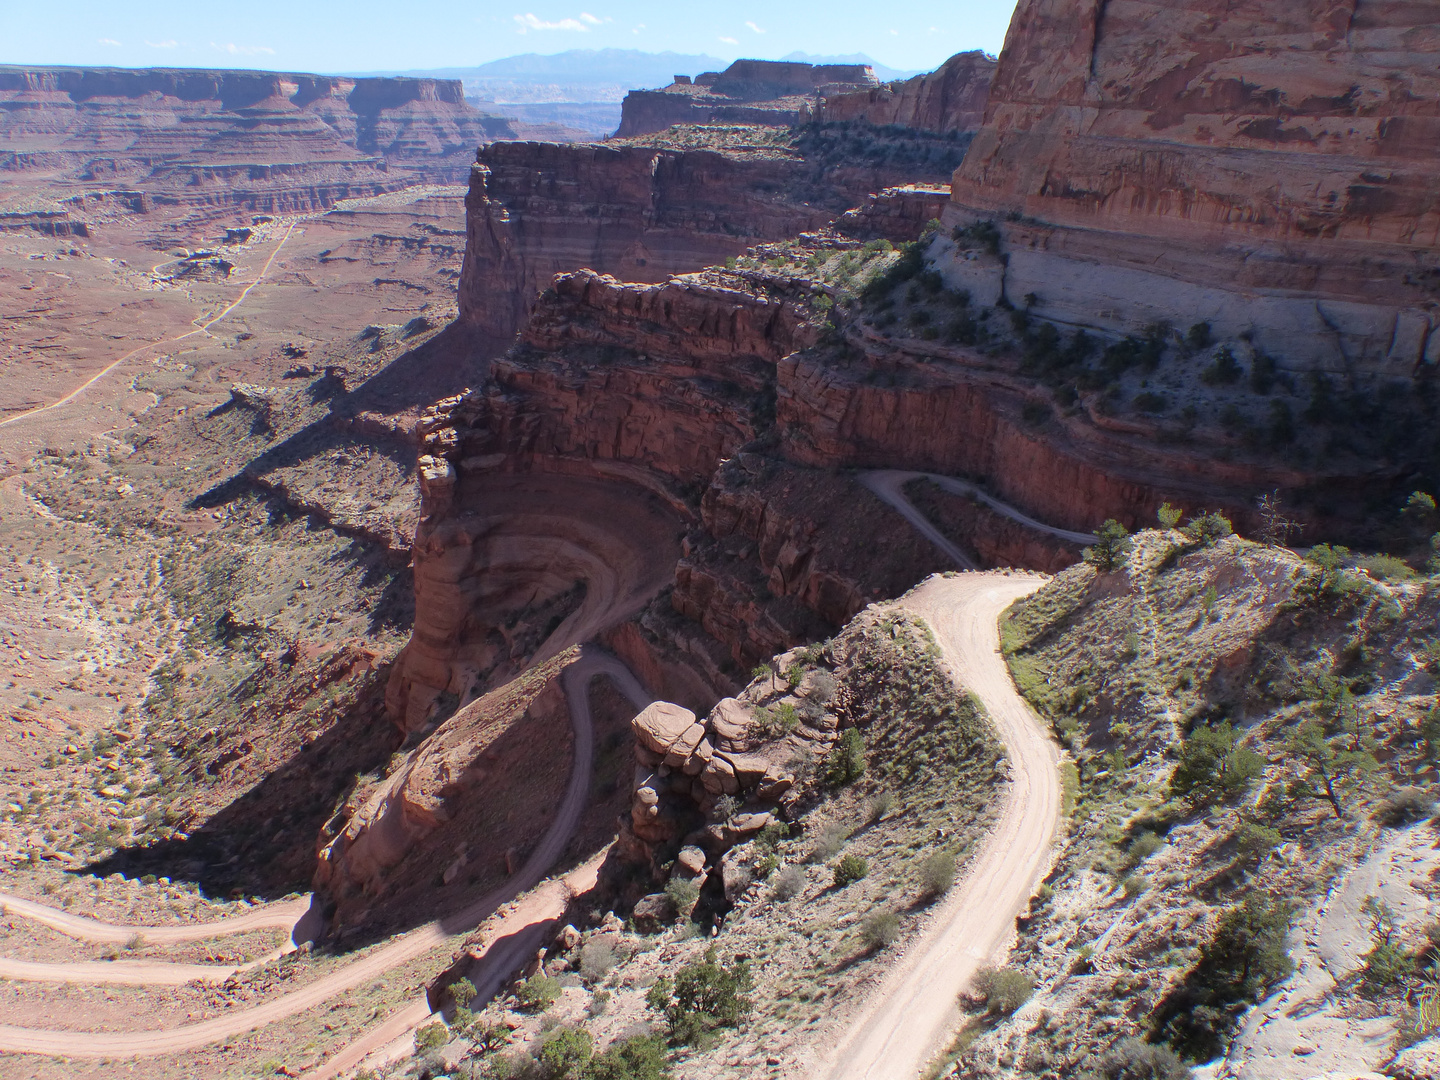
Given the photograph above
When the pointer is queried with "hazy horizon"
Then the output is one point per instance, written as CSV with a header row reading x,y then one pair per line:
x,y
445,34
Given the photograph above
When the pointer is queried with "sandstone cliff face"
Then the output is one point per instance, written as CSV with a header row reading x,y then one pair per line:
x,y
949,99
538,209
185,129
1269,169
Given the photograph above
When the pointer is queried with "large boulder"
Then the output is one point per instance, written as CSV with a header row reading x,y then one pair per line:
x,y
660,725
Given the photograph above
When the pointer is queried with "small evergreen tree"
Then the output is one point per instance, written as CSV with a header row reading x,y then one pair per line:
x,y
702,997
1112,547
1214,766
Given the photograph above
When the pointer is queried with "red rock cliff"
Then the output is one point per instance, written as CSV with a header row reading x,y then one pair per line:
x,y
1270,168
951,98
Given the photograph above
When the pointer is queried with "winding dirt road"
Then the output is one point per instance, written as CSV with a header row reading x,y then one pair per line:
x,y
912,1014
93,1045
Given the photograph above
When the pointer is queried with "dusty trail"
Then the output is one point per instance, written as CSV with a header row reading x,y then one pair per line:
x,y
202,328
94,1045
888,485
286,915
913,1012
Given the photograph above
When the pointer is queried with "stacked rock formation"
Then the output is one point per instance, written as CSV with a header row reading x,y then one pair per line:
x,y
747,92
1270,169
949,99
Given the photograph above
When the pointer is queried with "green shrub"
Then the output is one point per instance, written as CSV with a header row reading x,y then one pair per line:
x,y
937,874
850,869
1223,370
1111,548
431,1037
846,761
641,1057
1145,844
565,1052
1206,529
1004,989
598,957
683,894
879,929
1214,767
1243,959
462,992
1386,567
704,996
488,1037
1387,963
537,993
878,806
1254,841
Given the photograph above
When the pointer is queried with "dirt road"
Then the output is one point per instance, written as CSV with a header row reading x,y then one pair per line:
x,y
913,1013
888,485
201,328
286,915
92,1045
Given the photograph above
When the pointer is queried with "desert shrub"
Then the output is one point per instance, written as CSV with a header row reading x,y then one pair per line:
x,y
828,842
1145,844
822,687
565,1052
431,1037
1332,767
726,807
1387,963
1243,959
846,761
879,929
1404,805
1205,529
1386,567
1004,989
850,869
1214,767
1149,402
1223,370
1111,548
1169,516
1254,841
597,958
683,895
937,874
788,883
641,1057
703,996
1133,1059
488,1037
462,992
1132,885
1198,336
537,993
878,806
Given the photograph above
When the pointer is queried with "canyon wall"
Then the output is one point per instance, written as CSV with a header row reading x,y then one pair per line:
x,y
949,99
193,135
1270,169
641,213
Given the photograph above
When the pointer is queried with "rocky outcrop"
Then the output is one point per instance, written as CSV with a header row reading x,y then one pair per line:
x,y
949,99
1269,170
747,92
641,213
174,130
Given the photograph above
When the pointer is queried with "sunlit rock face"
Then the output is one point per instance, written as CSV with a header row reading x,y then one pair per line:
x,y
1268,168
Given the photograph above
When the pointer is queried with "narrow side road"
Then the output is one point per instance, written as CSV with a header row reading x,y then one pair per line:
x,y
95,1045
285,915
912,1014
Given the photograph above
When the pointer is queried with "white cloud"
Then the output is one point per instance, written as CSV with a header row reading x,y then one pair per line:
x,y
895,33
528,22
586,17
108,41
730,40
752,26
638,28
243,50
162,44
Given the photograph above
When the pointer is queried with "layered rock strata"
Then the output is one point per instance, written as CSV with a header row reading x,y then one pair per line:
x,y
949,99
187,134
747,92
1267,169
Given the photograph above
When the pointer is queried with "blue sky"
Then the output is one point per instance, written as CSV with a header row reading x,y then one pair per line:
x,y
368,35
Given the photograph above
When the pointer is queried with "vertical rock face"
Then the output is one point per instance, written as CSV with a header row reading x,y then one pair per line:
x,y
951,98
538,209
1269,168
